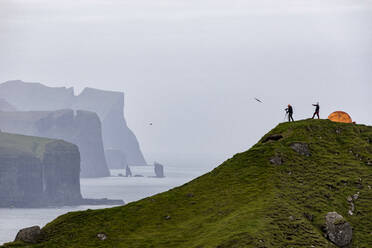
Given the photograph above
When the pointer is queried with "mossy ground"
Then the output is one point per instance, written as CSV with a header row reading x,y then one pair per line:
x,y
13,144
246,201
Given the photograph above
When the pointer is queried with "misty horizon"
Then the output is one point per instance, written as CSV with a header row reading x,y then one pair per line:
x,y
193,68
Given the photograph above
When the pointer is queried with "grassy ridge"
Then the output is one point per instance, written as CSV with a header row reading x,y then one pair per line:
x,y
246,201
15,143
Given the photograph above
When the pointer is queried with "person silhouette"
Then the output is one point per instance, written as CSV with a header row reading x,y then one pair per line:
x,y
317,108
289,111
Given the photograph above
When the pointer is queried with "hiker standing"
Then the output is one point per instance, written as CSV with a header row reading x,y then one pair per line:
x,y
317,108
289,111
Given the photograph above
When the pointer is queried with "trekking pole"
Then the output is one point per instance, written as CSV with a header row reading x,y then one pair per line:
x,y
285,117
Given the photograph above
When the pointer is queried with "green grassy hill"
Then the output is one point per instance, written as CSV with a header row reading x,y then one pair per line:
x,y
247,201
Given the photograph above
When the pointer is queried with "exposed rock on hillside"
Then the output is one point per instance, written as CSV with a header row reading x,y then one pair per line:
x,y
338,230
301,148
82,129
108,105
29,235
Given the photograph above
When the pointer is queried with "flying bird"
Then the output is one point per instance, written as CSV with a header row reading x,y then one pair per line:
x,y
258,100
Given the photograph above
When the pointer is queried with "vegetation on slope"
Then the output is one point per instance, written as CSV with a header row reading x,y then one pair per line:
x,y
13,144
247,201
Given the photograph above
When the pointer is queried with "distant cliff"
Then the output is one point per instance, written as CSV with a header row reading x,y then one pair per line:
x,y
82,129
38,172
108,105
116,159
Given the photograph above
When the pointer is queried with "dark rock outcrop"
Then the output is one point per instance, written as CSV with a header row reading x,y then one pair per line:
x,y
159,170
128,172
29,235
108,105
338,231
82,128
274,137
38,172
115,159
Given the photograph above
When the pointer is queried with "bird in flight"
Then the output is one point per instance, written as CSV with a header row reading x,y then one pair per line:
x,y
258,100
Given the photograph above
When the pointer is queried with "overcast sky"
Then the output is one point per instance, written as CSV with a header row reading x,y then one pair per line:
x,y
193,67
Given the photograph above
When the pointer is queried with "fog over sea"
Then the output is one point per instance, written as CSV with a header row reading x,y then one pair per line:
x,y
126,188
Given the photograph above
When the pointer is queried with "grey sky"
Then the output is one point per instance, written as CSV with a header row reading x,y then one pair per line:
x,y
193,67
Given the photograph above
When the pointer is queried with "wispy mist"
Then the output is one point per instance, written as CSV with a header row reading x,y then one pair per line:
x,y
192,68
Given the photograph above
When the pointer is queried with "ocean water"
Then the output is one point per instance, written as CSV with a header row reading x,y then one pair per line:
x,y
127,189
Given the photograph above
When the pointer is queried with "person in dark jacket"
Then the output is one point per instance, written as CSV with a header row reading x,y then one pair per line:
x,y
289,111
317,108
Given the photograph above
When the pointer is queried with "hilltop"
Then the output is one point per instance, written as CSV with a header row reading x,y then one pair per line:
x,y
276,194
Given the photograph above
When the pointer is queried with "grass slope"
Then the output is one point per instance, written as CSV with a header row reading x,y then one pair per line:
x,y
13,144
246,201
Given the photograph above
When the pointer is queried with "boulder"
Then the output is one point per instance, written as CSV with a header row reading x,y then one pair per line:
x,y
29,235
338,231
301,148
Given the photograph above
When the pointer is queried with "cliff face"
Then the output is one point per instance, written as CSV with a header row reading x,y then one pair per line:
x,y
61,171
37,172
82,129
116,159
20,179
108,105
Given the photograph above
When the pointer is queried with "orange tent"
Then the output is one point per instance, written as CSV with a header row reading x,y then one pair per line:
x,y
340,116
